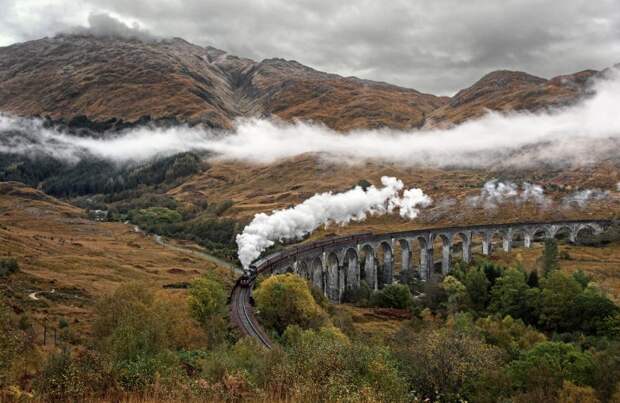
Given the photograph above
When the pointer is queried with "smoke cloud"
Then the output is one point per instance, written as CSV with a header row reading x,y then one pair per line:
x,y
573,136
582,198
495,193
325,208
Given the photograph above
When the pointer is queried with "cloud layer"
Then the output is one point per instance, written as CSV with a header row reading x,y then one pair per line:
x,y
438,46
574,136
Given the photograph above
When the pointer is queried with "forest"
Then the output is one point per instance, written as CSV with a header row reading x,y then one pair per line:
x,y
484,333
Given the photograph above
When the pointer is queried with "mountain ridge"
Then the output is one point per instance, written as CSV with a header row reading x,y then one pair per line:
x,y
105,82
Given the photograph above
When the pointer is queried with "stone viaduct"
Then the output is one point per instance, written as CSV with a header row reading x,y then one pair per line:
x,y
339,263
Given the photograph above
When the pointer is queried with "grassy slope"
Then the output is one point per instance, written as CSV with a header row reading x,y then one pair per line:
x,y
58,248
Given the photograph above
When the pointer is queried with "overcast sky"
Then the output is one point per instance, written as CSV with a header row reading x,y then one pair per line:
x,y
434,46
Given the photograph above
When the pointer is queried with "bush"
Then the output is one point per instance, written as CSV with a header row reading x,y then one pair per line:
x,y
447,364
8,266
65,377
360,295
133,324
512,335
207,304
393,296
549,364
284,300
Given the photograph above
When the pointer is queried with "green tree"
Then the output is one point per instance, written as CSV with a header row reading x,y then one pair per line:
x,y
207,304
456,292
477,285
393,296
581,277
532,279
592,311
550,256
511,296
549,364
284,300
557,306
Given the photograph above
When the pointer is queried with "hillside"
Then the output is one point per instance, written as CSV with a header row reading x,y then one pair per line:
x,y
114,82
58,248
507,91
104,82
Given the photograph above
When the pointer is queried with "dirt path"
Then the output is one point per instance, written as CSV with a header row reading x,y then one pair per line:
x,y
214,259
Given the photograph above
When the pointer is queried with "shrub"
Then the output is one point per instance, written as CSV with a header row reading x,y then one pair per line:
x,y
8,266
549,364
285,299
360,295
447,364
510,334
207,304
393,296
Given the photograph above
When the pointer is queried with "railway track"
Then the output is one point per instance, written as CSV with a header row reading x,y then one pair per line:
x,y
242,314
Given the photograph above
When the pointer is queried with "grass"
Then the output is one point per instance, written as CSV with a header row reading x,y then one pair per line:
x,y
59,249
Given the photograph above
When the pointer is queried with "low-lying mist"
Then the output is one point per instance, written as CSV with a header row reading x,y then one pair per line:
x,y
581,134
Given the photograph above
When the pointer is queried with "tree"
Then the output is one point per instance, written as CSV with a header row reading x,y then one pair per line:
x,y
549,364
207,304
511,296
532,279
510,334
477,285
393,296
581,277
550,256
592,310
456,293
447,364
557,305
284,300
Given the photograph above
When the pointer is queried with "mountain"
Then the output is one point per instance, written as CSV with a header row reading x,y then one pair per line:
x,y
507,91
113,81
106,82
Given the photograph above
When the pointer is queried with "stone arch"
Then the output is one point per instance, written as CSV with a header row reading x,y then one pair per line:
x,y
583,230
461,243
370,266
405,255
332,283
426,256
385,256
540,234
316,267
563,233
445,254
351,263
519,237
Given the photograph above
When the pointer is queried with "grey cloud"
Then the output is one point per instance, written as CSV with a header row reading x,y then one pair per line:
x,y
438,46
100,24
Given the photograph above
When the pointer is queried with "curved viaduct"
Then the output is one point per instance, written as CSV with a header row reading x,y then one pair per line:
x,y
339,263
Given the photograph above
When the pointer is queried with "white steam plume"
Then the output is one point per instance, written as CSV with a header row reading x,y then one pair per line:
x,y
581,134
494,193
325,208
582,198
